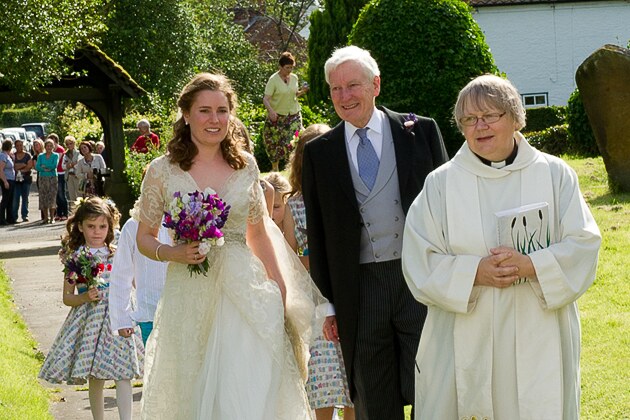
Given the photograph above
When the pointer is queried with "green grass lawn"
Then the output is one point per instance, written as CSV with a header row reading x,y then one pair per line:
x,y
21,395
605,307
605,312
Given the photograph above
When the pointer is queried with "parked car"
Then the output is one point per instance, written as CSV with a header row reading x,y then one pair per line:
x,y
7,135
19,133
40,128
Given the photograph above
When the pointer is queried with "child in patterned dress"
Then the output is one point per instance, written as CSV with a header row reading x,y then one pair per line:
x,y
85,348
327,385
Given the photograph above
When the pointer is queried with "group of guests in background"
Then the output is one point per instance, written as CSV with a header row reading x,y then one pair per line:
x,y
63,174
76,173
383,261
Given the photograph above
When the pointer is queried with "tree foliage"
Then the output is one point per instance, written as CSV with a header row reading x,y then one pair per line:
x,y
427,51
38,35
225,49
329,29
155,41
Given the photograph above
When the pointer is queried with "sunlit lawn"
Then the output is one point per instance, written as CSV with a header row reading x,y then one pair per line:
x,y
605,308
21,395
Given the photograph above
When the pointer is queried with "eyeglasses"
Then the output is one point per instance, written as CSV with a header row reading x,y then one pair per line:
x,y
488,119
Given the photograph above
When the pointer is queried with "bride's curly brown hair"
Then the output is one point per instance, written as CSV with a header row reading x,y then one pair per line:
x,y
181,149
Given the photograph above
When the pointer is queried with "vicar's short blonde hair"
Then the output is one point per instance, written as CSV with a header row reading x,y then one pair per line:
x,y
490,91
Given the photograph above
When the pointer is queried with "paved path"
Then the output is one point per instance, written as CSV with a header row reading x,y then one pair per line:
x,y
29,253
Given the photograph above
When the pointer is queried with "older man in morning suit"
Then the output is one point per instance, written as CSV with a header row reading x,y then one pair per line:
x,y
359,180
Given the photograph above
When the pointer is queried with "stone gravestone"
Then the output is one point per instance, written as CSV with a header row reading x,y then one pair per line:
x,y
604,83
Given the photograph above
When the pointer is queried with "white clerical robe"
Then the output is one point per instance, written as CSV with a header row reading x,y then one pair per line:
x,y
490,353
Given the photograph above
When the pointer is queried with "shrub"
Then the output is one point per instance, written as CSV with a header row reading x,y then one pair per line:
x,y
552,140
330,26
581,138
79,121
539,119
427,50
15,116
135,164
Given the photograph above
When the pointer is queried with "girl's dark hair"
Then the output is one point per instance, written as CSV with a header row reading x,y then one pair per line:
x,y
295,162
181,149
88,208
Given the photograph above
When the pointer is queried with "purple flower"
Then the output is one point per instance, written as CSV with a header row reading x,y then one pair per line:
x,y
410,121
195,217
83,267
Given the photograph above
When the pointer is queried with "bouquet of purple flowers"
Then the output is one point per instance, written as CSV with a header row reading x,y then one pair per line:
x,y
83,267
197,216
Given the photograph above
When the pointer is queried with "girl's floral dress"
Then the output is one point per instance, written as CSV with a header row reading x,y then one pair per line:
x,y
85,346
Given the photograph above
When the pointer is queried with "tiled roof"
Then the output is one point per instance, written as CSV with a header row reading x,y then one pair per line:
x,y
112,69
481,3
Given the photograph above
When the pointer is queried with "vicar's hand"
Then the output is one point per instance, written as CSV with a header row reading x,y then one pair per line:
x,y
330,329
521,261
495,270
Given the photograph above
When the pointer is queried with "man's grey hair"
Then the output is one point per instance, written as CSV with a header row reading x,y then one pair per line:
x,y
352,53
143,123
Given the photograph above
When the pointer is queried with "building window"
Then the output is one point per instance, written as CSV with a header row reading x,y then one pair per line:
x,y
534,100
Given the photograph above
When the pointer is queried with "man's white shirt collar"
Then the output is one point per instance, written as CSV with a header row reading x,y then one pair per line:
x,y
374,133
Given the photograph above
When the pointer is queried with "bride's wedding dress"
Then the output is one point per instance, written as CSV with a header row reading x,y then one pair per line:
x,y
220,346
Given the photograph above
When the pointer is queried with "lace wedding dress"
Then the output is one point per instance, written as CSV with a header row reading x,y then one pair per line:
x,y
220,347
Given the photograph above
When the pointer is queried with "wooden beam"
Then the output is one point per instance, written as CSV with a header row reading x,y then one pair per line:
x,y
54,94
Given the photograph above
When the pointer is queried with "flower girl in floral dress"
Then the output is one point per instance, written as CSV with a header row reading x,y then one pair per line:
x,y
85,348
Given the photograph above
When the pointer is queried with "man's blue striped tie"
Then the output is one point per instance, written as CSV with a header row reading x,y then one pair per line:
x,y
367,159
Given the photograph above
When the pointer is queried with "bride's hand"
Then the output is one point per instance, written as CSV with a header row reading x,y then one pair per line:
x,y
186,253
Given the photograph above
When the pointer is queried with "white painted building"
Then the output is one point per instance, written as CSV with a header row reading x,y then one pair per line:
x,y
540,44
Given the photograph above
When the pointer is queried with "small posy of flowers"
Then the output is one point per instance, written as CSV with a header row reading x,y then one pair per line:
x,y
83,267
295,139
410,121
197,216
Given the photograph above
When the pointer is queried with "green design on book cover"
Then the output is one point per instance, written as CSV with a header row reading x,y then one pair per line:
x,y
524,228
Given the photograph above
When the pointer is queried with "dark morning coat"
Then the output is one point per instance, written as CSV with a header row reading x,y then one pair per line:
x,y
332,212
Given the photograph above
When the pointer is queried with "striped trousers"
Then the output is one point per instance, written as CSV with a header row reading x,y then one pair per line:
x,y
388,333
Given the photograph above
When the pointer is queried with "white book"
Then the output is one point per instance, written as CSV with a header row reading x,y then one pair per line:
x,y
524,228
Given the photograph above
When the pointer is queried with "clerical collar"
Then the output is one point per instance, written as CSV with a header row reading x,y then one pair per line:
x,y
508,161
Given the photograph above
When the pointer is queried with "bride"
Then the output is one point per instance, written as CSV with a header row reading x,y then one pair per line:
x,y
229,345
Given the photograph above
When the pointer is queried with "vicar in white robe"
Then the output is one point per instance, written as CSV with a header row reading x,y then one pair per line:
x,y
502,335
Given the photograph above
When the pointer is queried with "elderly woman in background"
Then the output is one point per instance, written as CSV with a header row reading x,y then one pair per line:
x,y
7,183
47,181
100,149
69,164
146,138
23,179
283,110
89,168
502,335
